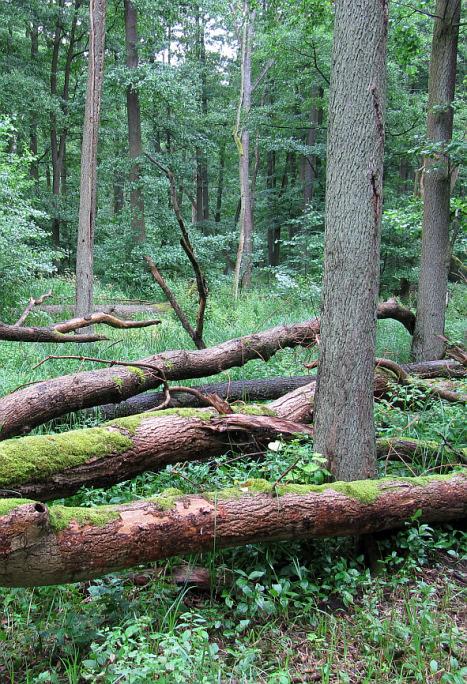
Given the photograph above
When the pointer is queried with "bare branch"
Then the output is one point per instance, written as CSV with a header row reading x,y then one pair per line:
x,y
31,304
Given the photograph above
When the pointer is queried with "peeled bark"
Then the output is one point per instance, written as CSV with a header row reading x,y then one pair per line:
x,y
43,401
344,422
58,331
42,546
428,342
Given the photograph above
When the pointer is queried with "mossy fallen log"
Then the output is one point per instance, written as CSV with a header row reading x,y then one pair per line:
x,y
42,545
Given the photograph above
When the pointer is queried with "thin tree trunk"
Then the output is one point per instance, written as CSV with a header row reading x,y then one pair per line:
x,y
434,264
244,263
274,228
134,126
220,182
41,545
34,168
202,181
344,423
311,161
88,187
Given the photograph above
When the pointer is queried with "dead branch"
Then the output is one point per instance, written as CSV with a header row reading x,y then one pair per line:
x,y
201,285
31,304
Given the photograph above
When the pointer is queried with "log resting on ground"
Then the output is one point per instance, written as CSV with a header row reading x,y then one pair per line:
x,y
53,466
262,389
60,332
41,545
36,404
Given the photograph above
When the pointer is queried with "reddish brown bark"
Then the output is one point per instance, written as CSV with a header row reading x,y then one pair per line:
x,y
39,547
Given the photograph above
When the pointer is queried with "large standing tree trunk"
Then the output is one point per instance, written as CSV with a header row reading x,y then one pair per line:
x,y
244,263
88,187
344,424
134,125
41,545
432,289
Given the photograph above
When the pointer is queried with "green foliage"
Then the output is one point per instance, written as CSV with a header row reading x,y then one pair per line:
x,y
24,252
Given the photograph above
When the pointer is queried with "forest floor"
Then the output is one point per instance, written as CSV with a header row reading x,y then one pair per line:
x,y
283,613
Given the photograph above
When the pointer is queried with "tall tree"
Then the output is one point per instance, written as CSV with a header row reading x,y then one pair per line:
x,y
432,290
244,263
202,179
134,124
88,186
344,424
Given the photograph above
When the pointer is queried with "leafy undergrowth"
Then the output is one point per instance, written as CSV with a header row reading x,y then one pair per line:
x,y
295,612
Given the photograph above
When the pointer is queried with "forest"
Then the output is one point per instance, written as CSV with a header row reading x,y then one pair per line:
x,y
233,372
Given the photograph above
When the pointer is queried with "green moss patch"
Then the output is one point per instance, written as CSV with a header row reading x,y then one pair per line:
x,y
132,423
35,458
62,516
254,410
8,505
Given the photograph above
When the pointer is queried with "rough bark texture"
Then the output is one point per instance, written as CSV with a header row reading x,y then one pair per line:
x,y
434,264
344,425
262,389
39,403
55,466
244,263
41,545
134,125
88,186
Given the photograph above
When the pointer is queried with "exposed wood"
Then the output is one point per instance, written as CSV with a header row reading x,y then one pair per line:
x,y
34,405
31,304
261,389
56,466
59,332
41,545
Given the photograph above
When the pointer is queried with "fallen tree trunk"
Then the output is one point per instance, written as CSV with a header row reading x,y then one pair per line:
x,y
59,332
53,466
261,389
36,404
41,545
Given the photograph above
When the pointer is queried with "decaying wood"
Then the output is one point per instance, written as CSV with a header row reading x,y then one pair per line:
x,y
53,466
261,389
31,304
195,332
43,401
48,467
41,545
60,332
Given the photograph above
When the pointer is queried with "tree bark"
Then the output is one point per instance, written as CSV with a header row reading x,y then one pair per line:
x,y
311,161
244,263
134,125
262,389
434,264
56,466
344,423
41,545
274,228
88,186
220,182
34,405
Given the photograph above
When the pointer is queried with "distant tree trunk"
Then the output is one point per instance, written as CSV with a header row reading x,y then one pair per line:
x,y
344,425
202,180
34,167
434,264
220,182
274,228
134,125
88,187
311,161
244,263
